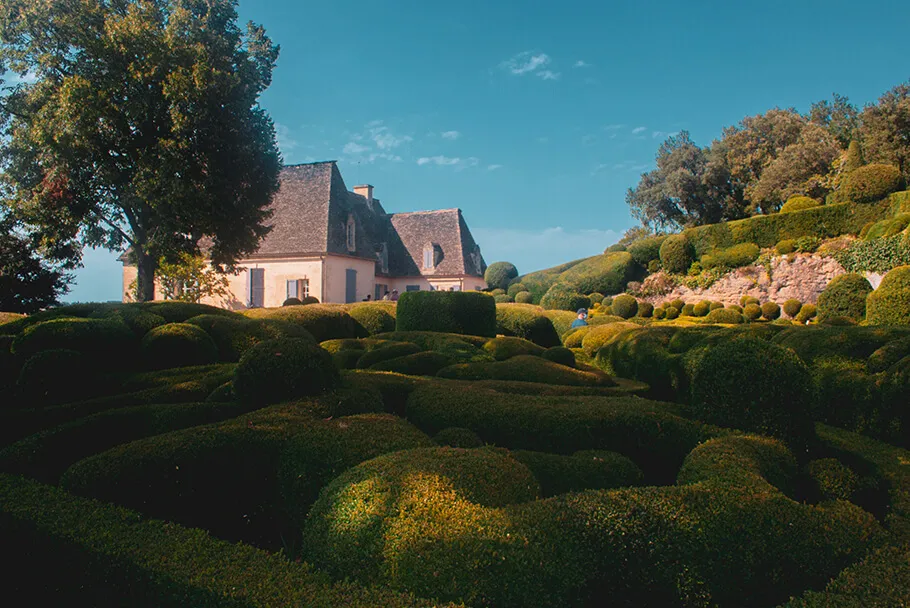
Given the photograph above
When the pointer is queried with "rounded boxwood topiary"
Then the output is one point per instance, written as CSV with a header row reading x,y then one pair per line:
x,y
516,288
645,309
676,253
770,310
292,302
716,305
561,355
502,298
736,307
178,345
374,317
785,246
844,296
659,313
753,385
56,376
746,300
596,298
672,312
677,303
724,315
687,310
310,300
499,274
283,369
458,437
869,184
752,312
498,292
103,340
701,309
561,297
806,313
625,306
646,250
524,297
890,303
792,307
526,322
798,203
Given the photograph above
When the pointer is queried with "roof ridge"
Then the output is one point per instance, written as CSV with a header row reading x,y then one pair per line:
x,y
427,211
315,162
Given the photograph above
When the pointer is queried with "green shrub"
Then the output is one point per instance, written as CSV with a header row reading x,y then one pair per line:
x,y
575,337
731,257
625,306
672,313
645,310
727,389
498,274
561,297
887,305
792,307
646,250
869,184
806,313
688,310
427,363
701,309
736,307
309,300
607,274
457,437
561,355
677,304
585,470
614,248
385,352
283,369
524,297
174,311
235,335
798,203
746,300
724,315
292,302
785,246
844,296
603,319
659,313
222,394
516,288
322,321
596,298
498,292
770,310
526,368
105,342
503,348
889,354
879,255
526,322
676,253
752,312
178,345
833,480
599,335
502,299
808,244
854,342
56,376
374,317
460,312
461,347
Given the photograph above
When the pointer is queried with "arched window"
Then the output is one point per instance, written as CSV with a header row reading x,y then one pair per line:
x,y
350,234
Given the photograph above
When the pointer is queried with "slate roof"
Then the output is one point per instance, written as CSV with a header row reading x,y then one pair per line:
x,y
311,211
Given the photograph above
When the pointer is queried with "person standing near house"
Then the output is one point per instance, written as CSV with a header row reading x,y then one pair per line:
x,y
580,321
394,296
386,295
368,298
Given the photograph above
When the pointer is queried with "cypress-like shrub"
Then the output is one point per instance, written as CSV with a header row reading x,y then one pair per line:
x,y
625,306
561,297
460,312
792,307
869,184
676,254
770,310
890,303
752,312
499,274
844,296
178,345
283,369
798,203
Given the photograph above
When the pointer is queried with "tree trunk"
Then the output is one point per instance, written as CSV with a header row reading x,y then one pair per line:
x,y
145,291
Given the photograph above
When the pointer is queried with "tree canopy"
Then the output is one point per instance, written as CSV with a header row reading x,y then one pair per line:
x,y
27,283
139,127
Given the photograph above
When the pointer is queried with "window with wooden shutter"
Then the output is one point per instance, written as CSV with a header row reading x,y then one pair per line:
x,y
257,287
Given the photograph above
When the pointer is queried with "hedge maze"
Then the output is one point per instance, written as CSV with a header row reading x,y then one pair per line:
x,y
452,451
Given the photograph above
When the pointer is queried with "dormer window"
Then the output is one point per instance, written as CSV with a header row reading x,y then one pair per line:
x,y
350,234
430,257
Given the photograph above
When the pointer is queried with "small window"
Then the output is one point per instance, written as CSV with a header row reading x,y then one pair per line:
x,y
351,235
298,288
412,288
257,287
428,258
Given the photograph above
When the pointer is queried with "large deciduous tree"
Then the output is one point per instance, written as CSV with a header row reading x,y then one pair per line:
x,y
885,129
839,117
137,125
27,283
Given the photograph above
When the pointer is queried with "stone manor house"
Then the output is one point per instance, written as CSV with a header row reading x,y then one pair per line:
x,y
340,246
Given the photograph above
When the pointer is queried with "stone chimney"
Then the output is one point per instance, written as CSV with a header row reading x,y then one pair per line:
x,y
366,191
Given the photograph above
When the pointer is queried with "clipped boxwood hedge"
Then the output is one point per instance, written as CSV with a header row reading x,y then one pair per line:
x,y
526,322
869,183
584,470
178,345
647,249
527,368
427,363
563,297
798,203
890,303
676,254
322,321
470,313
279,370
844,296
506,347
105,342
235,335
625,306
374,317
56,376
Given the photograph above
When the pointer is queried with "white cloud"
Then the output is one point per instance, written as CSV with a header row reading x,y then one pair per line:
x,y
451,135
535,249
525,62
493,167
286,143
385,139
638,130
548,75
581,63
448,161
353,147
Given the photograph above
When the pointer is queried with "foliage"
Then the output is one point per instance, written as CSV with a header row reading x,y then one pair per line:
x,y
190,279
56,376
878,255
625,306
292,302
735,256
854,159
599,335
770,311
560,355
460,312
807,244
502,299
526,368
385,351
844,296
806,313
526,322
785,246
584,470
323,322
184,140
887,305
374,317
178,345
498,274
792,307
676,253
516,288
798,203
427,363
561,297
838,116
458,437
869,183
506,347
725,316
646,250
283,369
645,309
234,335
106,342
524,297
27,283
885,129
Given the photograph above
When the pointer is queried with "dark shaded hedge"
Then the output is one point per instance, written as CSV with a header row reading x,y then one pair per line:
x,y
56,376
457,437
560,355
177,345
106,342
427,363
526,322
279,370
459,312
235,335
78,551
844,296
852,342
584,470
526,368
890,303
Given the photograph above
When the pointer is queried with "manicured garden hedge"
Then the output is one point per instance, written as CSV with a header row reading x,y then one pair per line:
x,y
528,322
279,370
564,297
460,312
235,335
177,345
322,321
526,368
584,470
844,296
890,303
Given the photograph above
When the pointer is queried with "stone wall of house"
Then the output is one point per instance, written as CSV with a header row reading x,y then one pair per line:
x,y
800,276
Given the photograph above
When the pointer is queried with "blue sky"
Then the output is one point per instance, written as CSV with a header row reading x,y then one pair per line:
x,y
535,117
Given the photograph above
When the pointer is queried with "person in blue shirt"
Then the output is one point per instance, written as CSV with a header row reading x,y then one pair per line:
x,y
580,321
